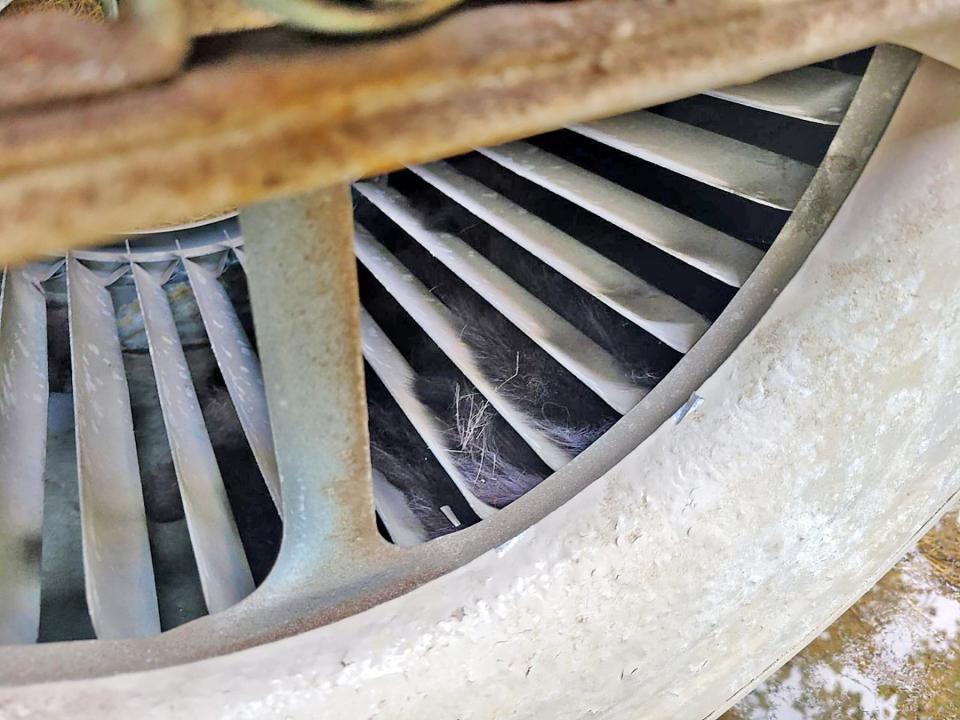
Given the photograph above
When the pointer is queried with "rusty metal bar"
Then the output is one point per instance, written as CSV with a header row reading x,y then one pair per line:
x,y
70,174
303,290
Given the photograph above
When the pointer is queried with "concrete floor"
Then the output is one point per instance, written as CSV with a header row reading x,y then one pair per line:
x,y
895,654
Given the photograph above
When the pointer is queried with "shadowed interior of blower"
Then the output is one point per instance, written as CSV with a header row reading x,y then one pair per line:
x,y
516,303
495,463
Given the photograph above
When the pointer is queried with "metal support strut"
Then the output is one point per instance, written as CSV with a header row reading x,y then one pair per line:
x,y
303,290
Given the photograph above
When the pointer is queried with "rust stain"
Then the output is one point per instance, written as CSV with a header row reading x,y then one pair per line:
x,y
47,56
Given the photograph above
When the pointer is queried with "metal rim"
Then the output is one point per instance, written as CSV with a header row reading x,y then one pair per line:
x,y
188,240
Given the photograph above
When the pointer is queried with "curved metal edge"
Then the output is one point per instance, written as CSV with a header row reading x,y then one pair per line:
x,y
174,227
267,615
204,237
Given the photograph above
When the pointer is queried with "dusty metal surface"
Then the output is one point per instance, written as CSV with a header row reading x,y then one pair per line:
x,y
240,368
722,162
940,41
398,378
444,329
265,616
716,253
587,607
221,562
815,94
303,289
895,654
569,346
312,116
23,442
54,56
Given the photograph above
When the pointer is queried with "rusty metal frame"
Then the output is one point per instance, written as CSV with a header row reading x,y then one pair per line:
x,y
316,114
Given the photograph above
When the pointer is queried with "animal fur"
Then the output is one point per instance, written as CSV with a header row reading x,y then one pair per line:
x,y
494,460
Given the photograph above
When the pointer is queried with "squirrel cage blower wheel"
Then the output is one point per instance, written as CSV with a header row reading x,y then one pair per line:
x,y
604,421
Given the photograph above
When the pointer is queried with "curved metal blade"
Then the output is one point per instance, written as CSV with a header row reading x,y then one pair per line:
x,y
121,592
23,441
221,561
240,368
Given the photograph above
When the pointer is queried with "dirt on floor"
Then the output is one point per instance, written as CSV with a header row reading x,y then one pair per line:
x,y
895,654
